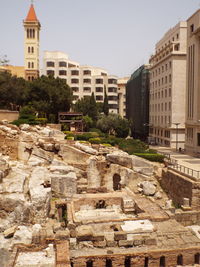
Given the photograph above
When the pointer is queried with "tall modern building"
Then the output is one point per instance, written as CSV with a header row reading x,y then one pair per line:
x,y
137,102
192,145
31,45
84,80
168,88
121,82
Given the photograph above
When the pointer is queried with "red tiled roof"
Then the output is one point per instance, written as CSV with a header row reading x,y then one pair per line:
x,y
31,14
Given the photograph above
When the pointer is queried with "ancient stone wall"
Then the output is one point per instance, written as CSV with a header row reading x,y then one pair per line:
x,y
157,258
177,186
188,218
9,115
9,146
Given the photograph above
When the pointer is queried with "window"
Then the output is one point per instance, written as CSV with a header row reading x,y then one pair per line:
x,y
29,65
87,89
74,72
62,72
127,262
50,64
99,97
89,263
87,81
99,81
50,73
170,64
108,263
170,92
32,65
99,89
29,49
112,81
74,80
32,49
112,98
87,72
33,35
197,258
62,64
112,90
170,78
192,28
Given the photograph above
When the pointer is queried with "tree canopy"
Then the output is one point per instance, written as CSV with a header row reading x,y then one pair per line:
x,y
47,95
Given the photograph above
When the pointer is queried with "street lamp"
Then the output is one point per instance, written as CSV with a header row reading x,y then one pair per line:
x,y
177,124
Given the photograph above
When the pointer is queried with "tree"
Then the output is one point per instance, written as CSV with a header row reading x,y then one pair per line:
x,y
114,124
87,106
3,60
49,95
92,112
105,104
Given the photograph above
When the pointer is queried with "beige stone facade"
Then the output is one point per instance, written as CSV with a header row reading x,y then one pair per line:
x,y
122,95
84,80
14,70
168,87
193,85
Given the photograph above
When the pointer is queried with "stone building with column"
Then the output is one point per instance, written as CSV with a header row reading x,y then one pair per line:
x,y
192,145
168,88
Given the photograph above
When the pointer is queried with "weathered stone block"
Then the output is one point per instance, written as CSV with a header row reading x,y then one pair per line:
x,y
99,244
120,236
125,243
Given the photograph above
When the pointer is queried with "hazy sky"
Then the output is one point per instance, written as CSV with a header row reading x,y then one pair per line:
x,y
118,35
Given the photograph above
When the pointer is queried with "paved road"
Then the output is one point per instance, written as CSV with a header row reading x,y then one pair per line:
x,y
186,161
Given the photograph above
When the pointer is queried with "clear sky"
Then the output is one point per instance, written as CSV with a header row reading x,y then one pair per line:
x,y
118,35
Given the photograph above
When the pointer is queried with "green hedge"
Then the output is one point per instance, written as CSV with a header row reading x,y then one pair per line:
x,y
151,157
95,140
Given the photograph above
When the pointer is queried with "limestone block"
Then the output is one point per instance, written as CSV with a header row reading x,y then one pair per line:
x,y
111,243
120,236
40,153
149,189
62,234
99,244
84,233
86,148
25,127
150,242
63,169
98,237
120,158
138,241
8,233
125,243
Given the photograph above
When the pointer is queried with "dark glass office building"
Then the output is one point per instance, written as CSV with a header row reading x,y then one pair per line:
x,y
137,102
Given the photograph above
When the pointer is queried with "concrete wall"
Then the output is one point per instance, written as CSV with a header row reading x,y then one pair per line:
x,y
9,115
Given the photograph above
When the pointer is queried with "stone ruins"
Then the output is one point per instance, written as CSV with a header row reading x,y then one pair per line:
x,y
72,204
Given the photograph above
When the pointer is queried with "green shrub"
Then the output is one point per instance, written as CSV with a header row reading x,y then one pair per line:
x,y
151,157
132,146
41,121
69,138
86,136
95,140
95,130
107,145
112,140
68,133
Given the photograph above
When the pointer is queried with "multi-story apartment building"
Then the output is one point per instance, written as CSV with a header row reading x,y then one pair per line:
x,y
137,102
192,145
84,80
122,95
168,88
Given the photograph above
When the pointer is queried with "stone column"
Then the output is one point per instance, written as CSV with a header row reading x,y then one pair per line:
x,y
94,178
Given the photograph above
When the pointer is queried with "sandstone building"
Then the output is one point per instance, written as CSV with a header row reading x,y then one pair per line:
x,y
193,86
168,88
14,70
31,45
121,82
84,80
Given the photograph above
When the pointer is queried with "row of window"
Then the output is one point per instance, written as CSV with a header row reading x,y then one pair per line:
x,y
161,69
160,107
160,119
174,38
97,89
161,81
163,94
